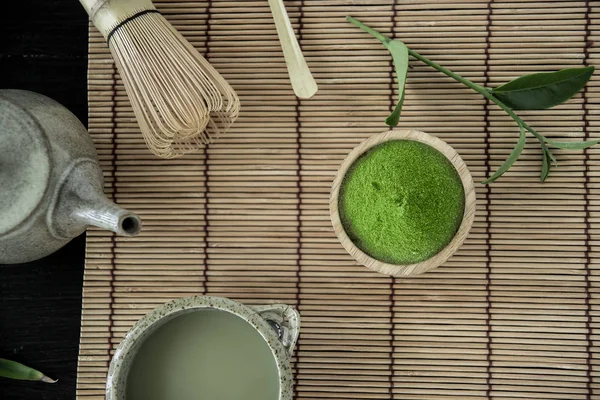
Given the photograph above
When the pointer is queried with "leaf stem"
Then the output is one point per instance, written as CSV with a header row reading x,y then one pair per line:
x,y
446,71
384,39
479,89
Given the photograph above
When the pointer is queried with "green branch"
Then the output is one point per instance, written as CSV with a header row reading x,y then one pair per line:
x,y
535,91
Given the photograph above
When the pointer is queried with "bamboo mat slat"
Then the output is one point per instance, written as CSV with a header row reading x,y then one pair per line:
x,y
513,315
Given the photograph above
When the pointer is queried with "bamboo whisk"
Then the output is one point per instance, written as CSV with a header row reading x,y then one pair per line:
x,y
180,101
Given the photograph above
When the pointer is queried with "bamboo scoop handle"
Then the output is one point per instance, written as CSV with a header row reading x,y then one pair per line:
x,y
302,80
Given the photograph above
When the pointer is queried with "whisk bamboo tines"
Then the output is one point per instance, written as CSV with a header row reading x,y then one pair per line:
x,y
180,101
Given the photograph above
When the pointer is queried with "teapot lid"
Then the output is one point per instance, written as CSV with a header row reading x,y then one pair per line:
x,y
25,165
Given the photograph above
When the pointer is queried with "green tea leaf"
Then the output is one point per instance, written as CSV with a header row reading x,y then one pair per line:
x,y
575,145
399,53
393,119
514,155
15,370
547,157
545,167
543,90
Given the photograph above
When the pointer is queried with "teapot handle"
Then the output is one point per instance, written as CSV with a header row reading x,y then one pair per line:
x,y
285,320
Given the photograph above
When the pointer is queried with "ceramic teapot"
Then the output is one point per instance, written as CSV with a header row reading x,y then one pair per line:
x,y
51,185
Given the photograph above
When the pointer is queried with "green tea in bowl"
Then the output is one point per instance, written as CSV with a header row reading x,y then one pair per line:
x,y
206,347
402,202
207,354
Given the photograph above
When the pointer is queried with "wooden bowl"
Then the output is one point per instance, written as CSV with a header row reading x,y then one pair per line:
x,y
446,252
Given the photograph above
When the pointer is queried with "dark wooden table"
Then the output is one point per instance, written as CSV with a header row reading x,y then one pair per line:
x,y
44,49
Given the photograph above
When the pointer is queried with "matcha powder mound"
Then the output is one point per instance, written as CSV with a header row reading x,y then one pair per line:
x,y
401,202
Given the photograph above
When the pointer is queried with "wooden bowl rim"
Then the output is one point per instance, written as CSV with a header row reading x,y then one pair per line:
x,y
451,247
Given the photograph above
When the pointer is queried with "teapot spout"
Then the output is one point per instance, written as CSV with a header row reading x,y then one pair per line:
x,y
80,202
104,214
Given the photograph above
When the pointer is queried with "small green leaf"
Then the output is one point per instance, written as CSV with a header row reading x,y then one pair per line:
x,y
547,157
514,155
399,53
394,117
543,90
15,370
575,145
545,167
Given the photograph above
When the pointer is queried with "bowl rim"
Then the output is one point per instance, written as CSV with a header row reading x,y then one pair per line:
x,y
462,232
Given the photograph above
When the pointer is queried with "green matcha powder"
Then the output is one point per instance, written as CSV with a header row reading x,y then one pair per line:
x,y
401,202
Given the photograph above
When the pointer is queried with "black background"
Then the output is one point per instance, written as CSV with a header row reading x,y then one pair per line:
x,y
43,48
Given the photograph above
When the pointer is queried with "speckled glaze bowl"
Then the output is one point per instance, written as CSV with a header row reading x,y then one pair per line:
x,y
278,324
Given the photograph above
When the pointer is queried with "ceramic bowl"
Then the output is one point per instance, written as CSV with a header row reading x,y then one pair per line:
x,y
451,247
278,324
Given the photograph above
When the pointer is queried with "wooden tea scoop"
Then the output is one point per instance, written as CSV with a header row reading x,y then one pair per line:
x,y
302,80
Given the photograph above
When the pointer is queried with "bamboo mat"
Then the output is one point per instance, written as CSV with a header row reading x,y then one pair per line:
x,y
513,315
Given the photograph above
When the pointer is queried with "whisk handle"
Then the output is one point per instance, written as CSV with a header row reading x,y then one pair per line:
x,y
302,80
107,14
